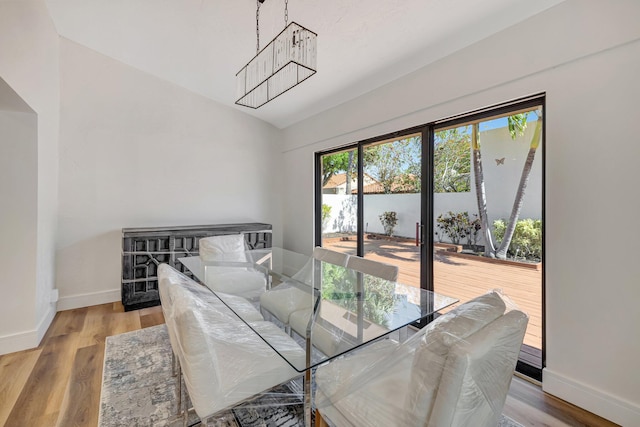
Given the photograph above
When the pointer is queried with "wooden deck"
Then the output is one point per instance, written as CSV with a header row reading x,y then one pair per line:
x,y
461,278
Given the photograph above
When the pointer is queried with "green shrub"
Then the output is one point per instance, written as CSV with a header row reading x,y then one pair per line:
x,y
459,226
527,238
326,213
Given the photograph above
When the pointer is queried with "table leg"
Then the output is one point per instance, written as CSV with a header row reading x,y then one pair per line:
x,y
308,407
307,385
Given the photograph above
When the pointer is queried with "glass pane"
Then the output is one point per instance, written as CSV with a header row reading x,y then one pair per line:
x,y
392,178
340,201
481,164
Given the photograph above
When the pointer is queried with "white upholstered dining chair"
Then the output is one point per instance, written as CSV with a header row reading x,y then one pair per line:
x,y
288,297
328,339
245,281
222,361
454,373
374,268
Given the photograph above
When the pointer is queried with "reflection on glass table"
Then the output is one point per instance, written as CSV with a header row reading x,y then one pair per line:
x,y
334,309
352,307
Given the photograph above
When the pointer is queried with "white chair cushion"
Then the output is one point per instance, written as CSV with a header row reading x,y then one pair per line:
x,y
281,342
431,354
241,307
237,281
166,282
212,247
342,375
404,385
306,273
477,374
284,299
376,389
332,257
222,359
328,341
373,268
169,277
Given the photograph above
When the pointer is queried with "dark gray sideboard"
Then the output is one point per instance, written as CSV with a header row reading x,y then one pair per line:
x,y
143,249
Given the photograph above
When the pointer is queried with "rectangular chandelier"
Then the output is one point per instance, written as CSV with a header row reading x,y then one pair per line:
x,y
288,60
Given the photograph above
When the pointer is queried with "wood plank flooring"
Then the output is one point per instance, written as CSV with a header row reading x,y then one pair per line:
x,y
58,383
461,278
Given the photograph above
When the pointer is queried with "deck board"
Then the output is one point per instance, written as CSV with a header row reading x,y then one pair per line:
x,y
458,277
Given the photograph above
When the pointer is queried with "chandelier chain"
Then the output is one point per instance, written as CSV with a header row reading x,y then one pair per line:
x,y
257,26
286,13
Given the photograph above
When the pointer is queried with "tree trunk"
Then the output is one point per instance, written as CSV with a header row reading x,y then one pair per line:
x,y
501,253
348,174
481,197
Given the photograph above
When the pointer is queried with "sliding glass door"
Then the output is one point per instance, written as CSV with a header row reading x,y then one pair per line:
x,y
457,205
488,212
370,201
338,201
391,203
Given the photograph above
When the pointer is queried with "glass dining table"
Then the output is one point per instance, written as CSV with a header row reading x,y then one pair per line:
x,y
341,309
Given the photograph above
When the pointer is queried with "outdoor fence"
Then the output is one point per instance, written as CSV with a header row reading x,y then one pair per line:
x,y
343,213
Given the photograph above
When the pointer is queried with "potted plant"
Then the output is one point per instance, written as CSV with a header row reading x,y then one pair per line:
x,y
389,220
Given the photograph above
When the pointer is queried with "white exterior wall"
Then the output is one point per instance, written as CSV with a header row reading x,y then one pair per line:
x,y
501,183
29,64
590,78
136,152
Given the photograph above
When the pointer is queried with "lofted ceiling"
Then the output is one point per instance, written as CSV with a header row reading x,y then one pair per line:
x,y
201,44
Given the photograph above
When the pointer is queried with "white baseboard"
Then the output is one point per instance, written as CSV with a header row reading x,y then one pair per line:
x,y
45,322
31,339
86,300
28,339
18,342
603,404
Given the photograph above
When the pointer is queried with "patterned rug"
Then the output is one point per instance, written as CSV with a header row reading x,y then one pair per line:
x,y
139,390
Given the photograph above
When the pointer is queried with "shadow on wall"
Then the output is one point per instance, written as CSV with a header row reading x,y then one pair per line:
x,y
345,221
88,272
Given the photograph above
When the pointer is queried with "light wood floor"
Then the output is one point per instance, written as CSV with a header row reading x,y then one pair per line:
x,y
58,383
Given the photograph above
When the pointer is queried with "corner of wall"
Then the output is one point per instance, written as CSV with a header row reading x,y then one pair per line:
x,y
29,339
45,322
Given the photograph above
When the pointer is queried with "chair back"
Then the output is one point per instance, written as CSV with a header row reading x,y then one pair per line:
x,y
212,248
305,275
433,349
373,268
332,257
477,374
454,374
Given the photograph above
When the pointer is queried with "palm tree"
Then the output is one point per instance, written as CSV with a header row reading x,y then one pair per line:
x,y
517,125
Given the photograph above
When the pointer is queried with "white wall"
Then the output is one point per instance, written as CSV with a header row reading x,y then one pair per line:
x,y
136,151
501,181
18,224
29,65
586,56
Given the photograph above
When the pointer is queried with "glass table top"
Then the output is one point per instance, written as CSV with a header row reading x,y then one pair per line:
x,y
335,309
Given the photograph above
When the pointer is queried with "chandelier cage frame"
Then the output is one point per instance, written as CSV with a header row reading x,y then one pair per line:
x,y
288,60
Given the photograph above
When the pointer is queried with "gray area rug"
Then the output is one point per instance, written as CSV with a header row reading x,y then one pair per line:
x,y
139,390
